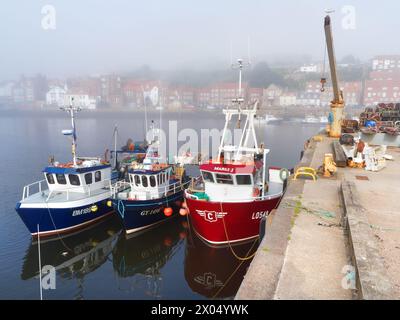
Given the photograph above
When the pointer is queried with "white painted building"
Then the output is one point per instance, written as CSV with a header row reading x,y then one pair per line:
x,y
309,68
81,100
61,96
6,89
386,62
287,99
56,96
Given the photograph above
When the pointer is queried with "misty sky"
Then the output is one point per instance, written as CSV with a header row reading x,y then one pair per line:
x,y
95,36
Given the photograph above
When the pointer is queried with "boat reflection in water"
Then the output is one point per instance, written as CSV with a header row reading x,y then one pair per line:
x,y
139,257
215,272
76,255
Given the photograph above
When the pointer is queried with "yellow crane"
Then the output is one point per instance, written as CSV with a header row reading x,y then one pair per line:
x,y
337,104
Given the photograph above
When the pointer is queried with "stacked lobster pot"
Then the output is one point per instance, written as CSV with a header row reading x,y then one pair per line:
x,y
385,118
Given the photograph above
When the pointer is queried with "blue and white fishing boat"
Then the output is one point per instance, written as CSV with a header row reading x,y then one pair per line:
x,y
152,194
72,195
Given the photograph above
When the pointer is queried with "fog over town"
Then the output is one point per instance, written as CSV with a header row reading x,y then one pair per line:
x,y
177,54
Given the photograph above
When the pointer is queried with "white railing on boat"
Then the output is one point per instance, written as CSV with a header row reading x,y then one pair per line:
x,y
120,186
76,189
249,199
26,192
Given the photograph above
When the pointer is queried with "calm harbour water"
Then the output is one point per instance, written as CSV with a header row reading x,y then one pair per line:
x,y
168,262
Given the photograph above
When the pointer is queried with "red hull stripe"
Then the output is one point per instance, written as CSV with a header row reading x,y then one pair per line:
x,y
226,222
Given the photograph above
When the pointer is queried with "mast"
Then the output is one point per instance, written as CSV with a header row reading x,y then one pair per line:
x,y
115,145
145,115
71,110
337,104
248,129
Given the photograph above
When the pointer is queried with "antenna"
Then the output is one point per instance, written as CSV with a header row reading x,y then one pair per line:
x,y
231,62
240,65
248,50
71,109
145,115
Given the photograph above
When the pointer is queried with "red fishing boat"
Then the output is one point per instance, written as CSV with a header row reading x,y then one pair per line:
x,y
237,189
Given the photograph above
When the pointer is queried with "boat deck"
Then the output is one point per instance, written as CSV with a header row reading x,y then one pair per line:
x,y
61,196
274,188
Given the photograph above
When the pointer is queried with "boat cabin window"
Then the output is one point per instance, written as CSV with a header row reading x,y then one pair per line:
x,y
152,181
162,177
208,176
50,178
243,179
97,176
61,178
137,180
88,178
224,178
158,179
74,180
144,181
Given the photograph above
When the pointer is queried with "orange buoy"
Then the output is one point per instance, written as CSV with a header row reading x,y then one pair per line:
x,y
183,212
168,211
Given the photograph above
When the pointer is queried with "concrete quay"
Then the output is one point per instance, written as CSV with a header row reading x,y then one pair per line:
x,y
333,238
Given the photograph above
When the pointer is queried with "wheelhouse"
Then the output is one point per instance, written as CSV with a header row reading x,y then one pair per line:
x,y
77,179
149,184
233,182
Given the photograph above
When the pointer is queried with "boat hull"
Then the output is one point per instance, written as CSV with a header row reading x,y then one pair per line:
x,y
56,221
137,215
228,222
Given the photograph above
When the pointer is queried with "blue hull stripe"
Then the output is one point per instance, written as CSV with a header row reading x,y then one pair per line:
x,y
59,219
138,214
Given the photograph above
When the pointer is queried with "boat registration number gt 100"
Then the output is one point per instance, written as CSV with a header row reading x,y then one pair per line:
x,y
150,212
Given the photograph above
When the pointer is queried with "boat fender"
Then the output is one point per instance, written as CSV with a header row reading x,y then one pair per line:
x,y
183,212
262,227
94,208
256,192
168,211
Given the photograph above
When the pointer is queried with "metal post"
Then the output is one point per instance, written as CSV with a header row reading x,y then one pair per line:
x,y
264,171
115,146
40,264
73,136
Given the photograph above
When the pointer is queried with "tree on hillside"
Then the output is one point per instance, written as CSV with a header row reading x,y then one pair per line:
x,y
261,76
350,59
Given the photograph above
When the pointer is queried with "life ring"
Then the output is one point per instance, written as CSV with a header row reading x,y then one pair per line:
x,y
284,174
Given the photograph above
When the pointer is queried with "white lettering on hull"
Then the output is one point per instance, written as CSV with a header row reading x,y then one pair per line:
x,y
259,215
229,170
150,212
79,212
